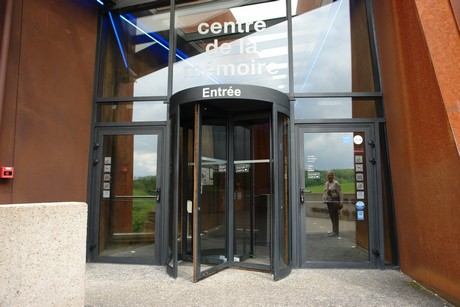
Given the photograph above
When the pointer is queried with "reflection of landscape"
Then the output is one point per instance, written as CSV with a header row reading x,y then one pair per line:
x,y
346,178
128,204
320,247
144,208
139,242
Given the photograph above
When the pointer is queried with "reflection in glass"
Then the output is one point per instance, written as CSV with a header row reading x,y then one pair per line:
x,y
341,153
128,190
137,111
136,56
213,194
283,190
331,47
322,47
226,43
340,107
173,213
222,42
252,191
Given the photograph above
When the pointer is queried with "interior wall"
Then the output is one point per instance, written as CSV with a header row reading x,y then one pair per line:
x,y
45,127
424,160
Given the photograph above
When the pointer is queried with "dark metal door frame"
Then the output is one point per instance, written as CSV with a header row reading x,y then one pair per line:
x,y
375,229
95,192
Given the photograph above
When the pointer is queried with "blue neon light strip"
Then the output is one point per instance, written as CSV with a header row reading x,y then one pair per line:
x,y
157,38
118,40
100,2
149,36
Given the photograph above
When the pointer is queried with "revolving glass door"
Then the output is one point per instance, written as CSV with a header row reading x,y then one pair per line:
x,y
231,211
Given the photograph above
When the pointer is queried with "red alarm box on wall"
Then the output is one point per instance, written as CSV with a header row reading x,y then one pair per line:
x,y
6,172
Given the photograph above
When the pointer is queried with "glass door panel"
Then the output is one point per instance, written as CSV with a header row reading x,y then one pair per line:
x,y
252,191
282,251
129,196
335,162
172,209
205,218
213,194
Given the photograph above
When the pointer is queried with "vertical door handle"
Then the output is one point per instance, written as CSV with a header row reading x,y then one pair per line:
x,y
302,195
158,194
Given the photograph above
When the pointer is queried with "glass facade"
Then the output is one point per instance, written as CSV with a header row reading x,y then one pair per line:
x,y
297,47
227,42
321,54
136,111
137,54
337,107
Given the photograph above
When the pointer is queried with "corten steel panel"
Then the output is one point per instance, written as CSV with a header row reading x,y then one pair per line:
x,y
54,96
7,122
443,39
424,158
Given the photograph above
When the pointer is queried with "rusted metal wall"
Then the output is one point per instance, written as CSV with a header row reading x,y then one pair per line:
x,y
46,118
425,164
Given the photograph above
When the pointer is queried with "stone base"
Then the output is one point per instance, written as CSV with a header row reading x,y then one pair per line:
x,y
43,254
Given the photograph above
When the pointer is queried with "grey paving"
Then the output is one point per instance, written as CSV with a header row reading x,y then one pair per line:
x,y
143,285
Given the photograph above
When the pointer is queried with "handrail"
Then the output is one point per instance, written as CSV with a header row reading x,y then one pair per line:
x,y
132,196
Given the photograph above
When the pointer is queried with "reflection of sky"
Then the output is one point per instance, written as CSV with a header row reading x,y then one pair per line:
x,y
152,84
322,49
308,108
149,111
322,56
267,48
330,151
145,155
261,11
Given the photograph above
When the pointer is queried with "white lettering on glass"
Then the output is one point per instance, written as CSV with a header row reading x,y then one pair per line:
x,y
230,27
221,92
224,48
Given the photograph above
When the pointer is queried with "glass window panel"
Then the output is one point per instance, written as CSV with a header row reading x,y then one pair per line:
x,y
342,107
137,111
136,55
331,46
362,69
222,42
322,56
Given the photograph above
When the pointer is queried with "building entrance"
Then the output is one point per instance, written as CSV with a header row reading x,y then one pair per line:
x,y
343,229
229,190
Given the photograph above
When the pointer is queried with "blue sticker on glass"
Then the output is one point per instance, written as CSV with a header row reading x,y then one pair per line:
x,y
360,205
346,139
360,215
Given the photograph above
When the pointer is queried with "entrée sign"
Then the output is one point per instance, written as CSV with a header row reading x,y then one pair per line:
x,y
221,92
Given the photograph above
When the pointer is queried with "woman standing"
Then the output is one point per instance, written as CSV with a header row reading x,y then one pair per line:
x,y
333,197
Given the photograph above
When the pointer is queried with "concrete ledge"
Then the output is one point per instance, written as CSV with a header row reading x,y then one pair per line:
x,y
43,254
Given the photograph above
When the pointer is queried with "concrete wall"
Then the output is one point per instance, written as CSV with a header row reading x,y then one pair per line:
x,y
42,262
419,51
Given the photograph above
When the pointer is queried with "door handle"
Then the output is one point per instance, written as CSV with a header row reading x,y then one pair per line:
x,y
302,195
158,195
